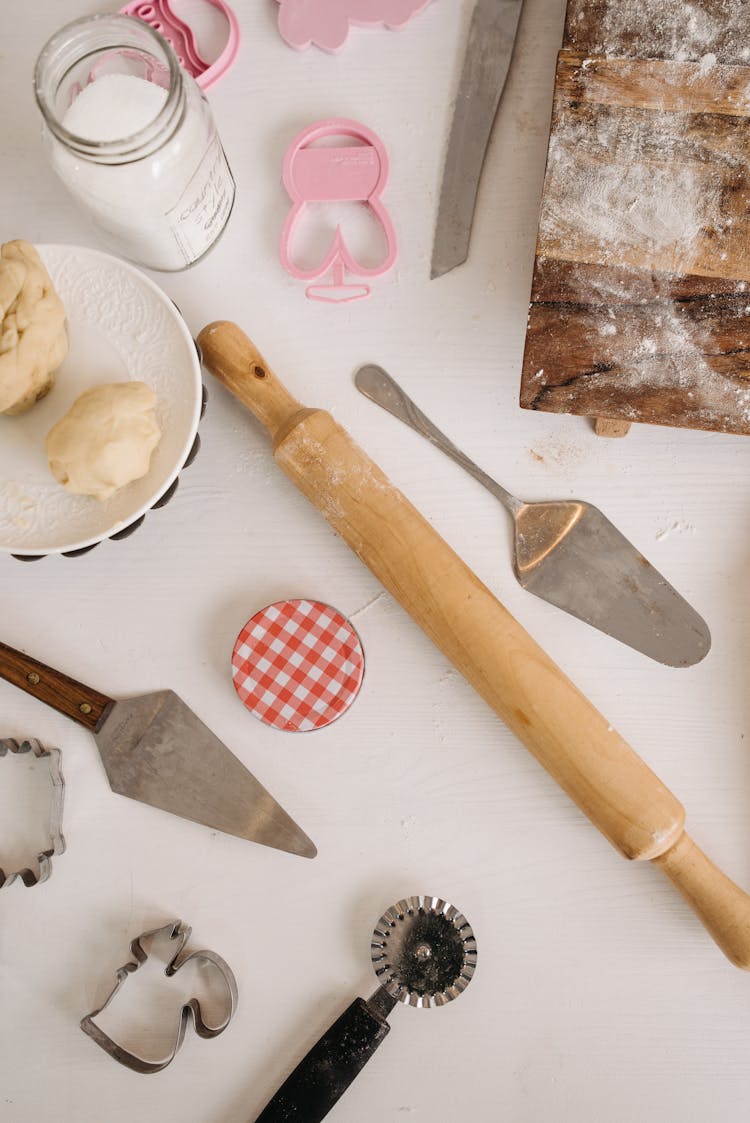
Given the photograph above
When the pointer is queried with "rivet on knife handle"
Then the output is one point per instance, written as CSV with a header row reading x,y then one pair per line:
x,y
64,694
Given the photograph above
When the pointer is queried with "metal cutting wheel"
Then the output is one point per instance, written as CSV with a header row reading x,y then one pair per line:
x,y
424,954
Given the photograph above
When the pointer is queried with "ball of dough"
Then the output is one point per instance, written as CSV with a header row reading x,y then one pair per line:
x,y
33,335
105,440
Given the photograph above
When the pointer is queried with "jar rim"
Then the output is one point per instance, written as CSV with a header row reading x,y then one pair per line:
x,y
132,141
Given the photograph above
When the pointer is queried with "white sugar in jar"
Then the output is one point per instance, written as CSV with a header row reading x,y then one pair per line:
x,y
132,137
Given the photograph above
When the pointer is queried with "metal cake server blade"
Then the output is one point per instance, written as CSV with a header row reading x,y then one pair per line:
x,y
568,553
156,750
571,555
492,35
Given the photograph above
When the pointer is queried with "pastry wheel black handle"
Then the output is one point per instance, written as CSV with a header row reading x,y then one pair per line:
x,y
322,1077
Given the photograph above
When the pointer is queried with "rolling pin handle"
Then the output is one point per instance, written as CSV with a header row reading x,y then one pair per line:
x,y
722,907
236,362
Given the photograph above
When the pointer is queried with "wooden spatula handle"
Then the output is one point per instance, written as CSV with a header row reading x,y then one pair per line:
x,y
564,731
64,694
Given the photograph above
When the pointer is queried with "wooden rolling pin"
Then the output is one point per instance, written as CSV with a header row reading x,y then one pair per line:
x,y
575,743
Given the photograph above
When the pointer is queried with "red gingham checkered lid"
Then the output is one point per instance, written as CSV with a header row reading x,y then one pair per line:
x,y
298,665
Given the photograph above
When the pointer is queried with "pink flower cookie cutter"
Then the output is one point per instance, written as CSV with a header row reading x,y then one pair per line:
x,y
160,15
326,23
350,173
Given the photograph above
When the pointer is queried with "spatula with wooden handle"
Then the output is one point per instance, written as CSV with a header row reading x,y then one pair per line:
x,y
610,783
156,750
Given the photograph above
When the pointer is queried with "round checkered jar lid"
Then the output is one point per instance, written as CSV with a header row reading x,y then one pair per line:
x,y
298,665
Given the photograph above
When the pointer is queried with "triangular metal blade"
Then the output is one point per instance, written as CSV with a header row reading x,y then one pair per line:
x,y
492,34
156,750
591,570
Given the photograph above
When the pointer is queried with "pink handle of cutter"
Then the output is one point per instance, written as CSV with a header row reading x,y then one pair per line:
x,y
160,15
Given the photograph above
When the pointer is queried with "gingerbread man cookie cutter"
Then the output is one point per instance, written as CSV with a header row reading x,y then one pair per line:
x,y
342,174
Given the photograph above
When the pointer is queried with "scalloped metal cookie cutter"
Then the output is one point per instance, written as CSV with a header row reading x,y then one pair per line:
x,y
56,840
190,1011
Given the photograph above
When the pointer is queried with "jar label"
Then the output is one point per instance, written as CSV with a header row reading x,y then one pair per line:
x,y
203,208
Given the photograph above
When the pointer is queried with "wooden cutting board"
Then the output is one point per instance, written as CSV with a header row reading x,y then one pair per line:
x,y
640,304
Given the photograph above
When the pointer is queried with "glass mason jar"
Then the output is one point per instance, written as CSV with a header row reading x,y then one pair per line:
x,y
161,193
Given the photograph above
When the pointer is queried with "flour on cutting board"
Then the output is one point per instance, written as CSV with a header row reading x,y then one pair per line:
x,y
676,29
648,194
660,346
628,188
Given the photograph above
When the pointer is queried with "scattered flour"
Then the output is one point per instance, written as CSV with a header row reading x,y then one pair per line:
x,y
676,29
614,193
639,194
708,62
556,454
669,348
677,527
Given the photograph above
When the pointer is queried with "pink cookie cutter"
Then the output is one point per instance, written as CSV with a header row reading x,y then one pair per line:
x,y
352,173
159,15
326,23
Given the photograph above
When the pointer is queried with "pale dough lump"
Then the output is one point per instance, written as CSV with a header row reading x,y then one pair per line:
x,y
105,440
33,335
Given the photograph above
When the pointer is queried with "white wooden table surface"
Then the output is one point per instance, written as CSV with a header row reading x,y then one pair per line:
x,y
598,997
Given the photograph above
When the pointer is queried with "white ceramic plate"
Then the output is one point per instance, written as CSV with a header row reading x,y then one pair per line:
x,y
122,327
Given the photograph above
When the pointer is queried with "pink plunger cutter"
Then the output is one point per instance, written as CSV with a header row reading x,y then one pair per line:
x,y
326,23
160,15
351,173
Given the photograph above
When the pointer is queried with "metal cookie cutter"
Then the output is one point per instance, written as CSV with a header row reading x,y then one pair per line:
x,y
56,840
179,932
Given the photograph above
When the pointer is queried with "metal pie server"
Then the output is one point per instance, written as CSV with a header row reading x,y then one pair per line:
x,y
424,954
492,35
568,553
156,750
